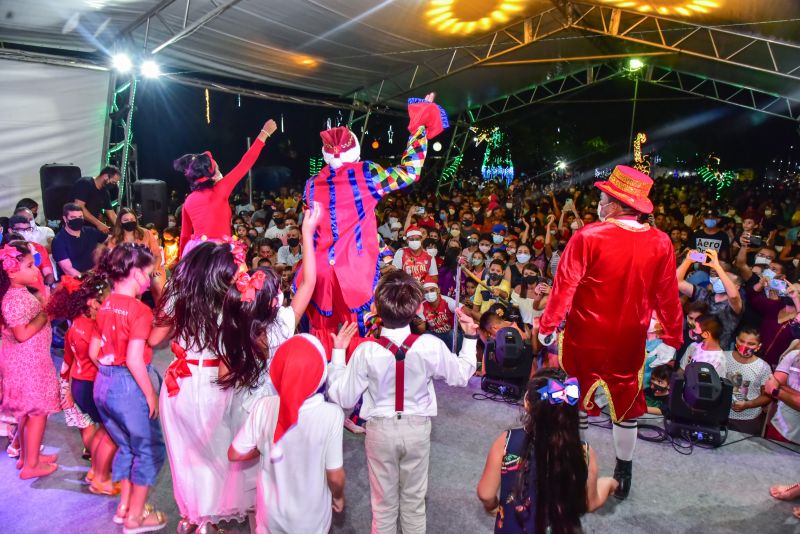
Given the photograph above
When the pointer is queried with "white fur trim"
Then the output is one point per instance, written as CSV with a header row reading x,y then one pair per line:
x,y
318,344
348,156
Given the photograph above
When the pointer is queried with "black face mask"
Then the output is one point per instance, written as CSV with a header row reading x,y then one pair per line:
x,y
278,222
494,277
473,242
293,241
659,389
466,222
531,279
129,226
75,224
694,336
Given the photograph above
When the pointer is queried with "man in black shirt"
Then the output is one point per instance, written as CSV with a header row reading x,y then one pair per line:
x,y
91,195
711,236
74,245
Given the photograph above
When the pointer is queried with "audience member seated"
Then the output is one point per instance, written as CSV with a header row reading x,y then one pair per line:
x,y
74,245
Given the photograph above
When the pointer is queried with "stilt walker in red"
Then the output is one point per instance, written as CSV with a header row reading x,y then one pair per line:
x,y
611,277
346,244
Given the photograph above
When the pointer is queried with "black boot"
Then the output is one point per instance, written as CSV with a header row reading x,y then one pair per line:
x,y
623,472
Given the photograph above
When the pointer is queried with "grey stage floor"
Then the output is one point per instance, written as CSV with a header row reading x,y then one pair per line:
x,y
715,491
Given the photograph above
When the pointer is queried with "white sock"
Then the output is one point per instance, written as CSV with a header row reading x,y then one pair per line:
x,y
625,435
583,424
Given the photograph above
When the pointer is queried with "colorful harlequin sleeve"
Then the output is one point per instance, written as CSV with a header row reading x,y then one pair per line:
x,y
408,171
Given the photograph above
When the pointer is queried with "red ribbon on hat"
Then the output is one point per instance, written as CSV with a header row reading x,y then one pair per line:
x,y
9,255
248,285
70,283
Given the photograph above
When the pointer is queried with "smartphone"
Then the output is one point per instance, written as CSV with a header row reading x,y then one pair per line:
x,y
756,241
778,285
699,257
420,211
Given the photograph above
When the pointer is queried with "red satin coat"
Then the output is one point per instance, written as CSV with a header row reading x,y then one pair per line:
x,y
609,281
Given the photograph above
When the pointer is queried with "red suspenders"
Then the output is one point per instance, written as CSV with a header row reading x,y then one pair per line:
x,y
399,362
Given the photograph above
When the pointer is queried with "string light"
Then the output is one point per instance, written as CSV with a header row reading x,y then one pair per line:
x,y
497,162
390,133
641,162
315,165
239,101
712,175
281,122
450,171
208,108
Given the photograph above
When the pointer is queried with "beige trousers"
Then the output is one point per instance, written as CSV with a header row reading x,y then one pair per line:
x,y
398,453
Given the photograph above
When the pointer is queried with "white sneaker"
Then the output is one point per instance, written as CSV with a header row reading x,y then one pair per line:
x,y
354,428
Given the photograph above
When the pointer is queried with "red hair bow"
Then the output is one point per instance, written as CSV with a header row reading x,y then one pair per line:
x,y
248,285
9,255
70,283
238,249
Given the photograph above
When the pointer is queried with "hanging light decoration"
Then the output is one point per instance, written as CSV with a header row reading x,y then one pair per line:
x,y
208,108
497,164
712,175
641,162
375,144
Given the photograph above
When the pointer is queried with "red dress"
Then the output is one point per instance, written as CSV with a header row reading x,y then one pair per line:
x,y
610,279
206,212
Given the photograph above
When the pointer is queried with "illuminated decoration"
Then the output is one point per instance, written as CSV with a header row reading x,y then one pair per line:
x,y
641,162
465,17
561,165
602,173
281,122
122,63
238,101
208,108
376,145
497,164
635,64
125,144
437,146
315,165
712,175
687,8
390,133
482,135
450,171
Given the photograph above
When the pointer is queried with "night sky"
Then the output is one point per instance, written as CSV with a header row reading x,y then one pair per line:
x,y
170,120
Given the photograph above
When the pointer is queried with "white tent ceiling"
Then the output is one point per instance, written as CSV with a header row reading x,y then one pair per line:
x,y
345,48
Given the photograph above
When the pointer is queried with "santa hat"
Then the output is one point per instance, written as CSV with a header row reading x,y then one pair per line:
x,y
429,283
339,146
298,369
413,231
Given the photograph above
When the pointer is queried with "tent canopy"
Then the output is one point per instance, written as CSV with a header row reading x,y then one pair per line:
x,y
472,53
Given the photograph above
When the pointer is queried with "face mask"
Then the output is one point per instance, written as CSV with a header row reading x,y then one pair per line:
x,y
27,235
574,226
600,216
442,217
393,220
796,262
75,224
144,286
431,296
745,351
659,389
414,245
509,205
451,212
694,336
530,279
129,226
293,241
538,245
760,260
387,260
768,274
259,229
523,258
717,286
476,209
710,223
278,222
767,213
494,277
484,248
455,232
477,261
432,251
497,239
466,222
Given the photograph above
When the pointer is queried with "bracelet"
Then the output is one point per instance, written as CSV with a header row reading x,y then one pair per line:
x,y
468,336
266,132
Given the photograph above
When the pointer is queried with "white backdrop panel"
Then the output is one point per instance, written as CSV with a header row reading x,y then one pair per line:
x,y
48,114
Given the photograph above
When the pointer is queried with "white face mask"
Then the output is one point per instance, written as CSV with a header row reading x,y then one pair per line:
x,y
387,260
431,296
497,239
477,262
509,205
260,229
484,248
455,232
432,251
796,262
760,260
393,221
523,258
600,215
415,245
574,225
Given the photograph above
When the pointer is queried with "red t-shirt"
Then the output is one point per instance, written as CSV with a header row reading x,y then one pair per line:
x,y
120,319
76,349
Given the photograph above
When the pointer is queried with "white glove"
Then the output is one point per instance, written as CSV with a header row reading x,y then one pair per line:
x,y
663,353
548,339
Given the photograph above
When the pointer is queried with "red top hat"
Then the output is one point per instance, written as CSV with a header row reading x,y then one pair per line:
x,y
630,187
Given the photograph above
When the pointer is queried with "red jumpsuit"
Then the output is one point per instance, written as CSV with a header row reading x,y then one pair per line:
x,y
610,279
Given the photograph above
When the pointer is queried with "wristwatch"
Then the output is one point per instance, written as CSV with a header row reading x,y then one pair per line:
x,y
776,392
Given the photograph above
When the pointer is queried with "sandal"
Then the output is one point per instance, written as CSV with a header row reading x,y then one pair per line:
x,y
121,514
786,493
109,488
89,476
148,513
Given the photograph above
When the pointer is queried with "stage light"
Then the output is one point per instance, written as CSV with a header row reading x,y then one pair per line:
x,y
686,8
561,165
121,62
437,146
464,17
150,69
635,64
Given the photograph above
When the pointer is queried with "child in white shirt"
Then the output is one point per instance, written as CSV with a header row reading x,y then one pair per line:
x,y
706,334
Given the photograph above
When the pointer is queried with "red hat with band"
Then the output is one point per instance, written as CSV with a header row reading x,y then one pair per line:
x,y
630,187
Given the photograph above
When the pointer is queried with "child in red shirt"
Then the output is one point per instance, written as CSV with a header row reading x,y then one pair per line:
x,y
78,301
125,390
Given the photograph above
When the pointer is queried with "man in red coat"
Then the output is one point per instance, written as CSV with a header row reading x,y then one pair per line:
x,y
611,277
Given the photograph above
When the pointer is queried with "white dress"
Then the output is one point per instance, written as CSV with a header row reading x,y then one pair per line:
x,y
199,424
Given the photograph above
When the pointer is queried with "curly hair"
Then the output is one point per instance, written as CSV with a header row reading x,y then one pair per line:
x,y
5,281
64,304
118,262
245,333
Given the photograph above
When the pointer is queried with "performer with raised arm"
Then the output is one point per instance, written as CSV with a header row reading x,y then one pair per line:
x,y
346,244
611,277
206,213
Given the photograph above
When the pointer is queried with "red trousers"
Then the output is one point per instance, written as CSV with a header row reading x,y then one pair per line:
x,y
324,327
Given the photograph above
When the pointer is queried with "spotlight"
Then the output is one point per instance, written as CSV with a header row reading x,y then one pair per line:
x,y
121,62
635,64
561,165
437,146
150,69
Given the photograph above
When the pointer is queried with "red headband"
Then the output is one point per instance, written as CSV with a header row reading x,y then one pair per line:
x,y
213,169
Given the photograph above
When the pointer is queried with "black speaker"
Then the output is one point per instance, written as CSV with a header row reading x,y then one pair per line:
x,y
699,404
152,202
507,362
57,181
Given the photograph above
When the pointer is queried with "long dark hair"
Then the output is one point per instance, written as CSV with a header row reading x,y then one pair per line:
x,y
118,234
64,304
118,262
194,167
245,326
552,442
194,295
5,281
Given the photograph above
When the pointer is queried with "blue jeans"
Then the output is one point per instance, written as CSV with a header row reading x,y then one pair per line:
x,y
125,415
